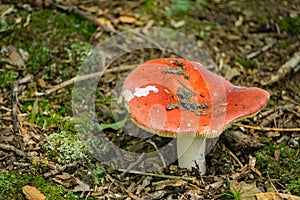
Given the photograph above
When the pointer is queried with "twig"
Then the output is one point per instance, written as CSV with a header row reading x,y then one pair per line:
x,y
133,164
118,184
286,68
265,48
85,77
15,107
60,169
157,150
14,149
233,156
266,128
271,182
158,175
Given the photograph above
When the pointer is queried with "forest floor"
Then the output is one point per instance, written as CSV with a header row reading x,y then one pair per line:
x,y
45,43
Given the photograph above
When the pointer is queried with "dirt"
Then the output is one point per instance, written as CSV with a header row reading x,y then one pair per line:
x,y
45,43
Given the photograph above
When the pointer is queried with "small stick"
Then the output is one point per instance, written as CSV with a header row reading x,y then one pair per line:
x,y
160,155
266,128
14,149
255,53
158,175
60,169
15,107
85,77
286,68
233,156
133,164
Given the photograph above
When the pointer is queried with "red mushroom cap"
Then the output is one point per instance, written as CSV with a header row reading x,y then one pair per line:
x,y
173,97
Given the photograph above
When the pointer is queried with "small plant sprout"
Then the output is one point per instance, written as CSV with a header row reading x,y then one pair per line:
x,y
177,98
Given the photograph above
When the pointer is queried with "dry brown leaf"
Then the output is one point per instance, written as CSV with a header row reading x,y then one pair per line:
x,y
239,22
233,37
92,9
32,193
101,20
178,24
41,83
277,154
127,19
64,176
81,187
14,57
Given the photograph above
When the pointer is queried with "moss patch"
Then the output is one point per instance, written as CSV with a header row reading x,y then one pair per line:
x,y
11,184
286,168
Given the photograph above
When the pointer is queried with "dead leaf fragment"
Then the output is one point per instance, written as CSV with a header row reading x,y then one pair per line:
x,y
239,22
14,57
32,193
101,20
233,37
127,19
42,83
64,176
178,24
81,187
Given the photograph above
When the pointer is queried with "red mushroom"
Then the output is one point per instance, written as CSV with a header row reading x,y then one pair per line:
x,y
177,98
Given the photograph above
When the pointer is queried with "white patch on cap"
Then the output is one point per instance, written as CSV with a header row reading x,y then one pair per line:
x,y
139,92
127,95
142,92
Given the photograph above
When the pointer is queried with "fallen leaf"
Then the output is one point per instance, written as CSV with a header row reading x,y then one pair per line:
x,y
101,20
127,19
41,83
14,57
233,37
64,176
81,187
177,24
277,154
230,72
32,193
239,22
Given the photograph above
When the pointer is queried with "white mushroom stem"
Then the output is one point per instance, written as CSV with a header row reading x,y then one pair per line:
x,y
191,150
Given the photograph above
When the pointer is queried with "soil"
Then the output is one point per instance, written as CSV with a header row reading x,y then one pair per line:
x,y
44,44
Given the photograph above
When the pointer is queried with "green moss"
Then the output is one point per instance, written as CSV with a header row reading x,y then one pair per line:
x,y
270,104
247,64
289,24
98,173
182,8
286,169
11,184
43,57
149,6
42,113
5,27
281,44
48,38
7,78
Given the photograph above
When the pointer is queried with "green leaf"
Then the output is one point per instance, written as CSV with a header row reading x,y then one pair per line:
x,y
115,126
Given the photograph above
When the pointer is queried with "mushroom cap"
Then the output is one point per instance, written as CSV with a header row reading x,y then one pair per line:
x,y
173,97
